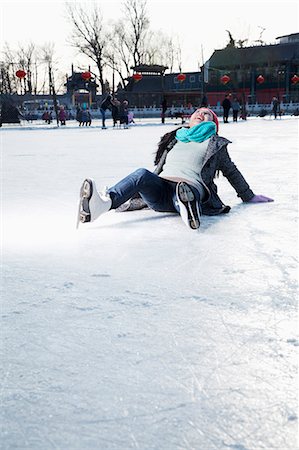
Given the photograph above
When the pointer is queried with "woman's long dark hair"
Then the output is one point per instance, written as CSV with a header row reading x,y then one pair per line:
x,y
166,143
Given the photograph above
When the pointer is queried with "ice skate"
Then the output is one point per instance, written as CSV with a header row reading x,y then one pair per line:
x,y
91,204
189,208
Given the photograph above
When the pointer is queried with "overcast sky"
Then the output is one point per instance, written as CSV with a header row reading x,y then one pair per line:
x,y
199,24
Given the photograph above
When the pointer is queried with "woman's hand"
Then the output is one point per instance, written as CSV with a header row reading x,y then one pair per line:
x,y
260,199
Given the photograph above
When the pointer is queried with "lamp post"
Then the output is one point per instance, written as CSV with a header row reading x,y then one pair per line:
x,y
113,76
253,86
52,90
279,73
164,100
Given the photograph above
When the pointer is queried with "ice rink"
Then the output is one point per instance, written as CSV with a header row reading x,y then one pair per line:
x,y
134,332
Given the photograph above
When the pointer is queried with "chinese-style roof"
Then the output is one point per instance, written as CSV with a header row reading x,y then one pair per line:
x,y
289,35
151,83
258,55
145,68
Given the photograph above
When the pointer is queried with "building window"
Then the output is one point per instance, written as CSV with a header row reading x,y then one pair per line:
x,y
175,80
192,79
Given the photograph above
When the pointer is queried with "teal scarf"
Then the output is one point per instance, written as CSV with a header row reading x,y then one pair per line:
x,y
198,133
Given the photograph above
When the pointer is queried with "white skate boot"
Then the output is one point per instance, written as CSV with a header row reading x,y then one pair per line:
x,y
189,208
92,204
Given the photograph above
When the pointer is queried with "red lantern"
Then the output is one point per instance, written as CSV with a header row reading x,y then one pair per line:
x,y
86,76
260,79
295,79
225,79
181,77
21,73
137,77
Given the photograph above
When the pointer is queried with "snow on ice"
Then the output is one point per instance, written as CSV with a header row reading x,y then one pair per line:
x,y
134,332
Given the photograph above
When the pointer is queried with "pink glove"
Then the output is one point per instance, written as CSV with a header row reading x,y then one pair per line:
x,y
260,199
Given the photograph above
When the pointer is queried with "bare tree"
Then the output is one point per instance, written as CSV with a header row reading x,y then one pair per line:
x,y
26,59
116,66
47,54
177,56
128,40
5,80
89,35
159,49
9,81
170,49
137,25
153,48
117,55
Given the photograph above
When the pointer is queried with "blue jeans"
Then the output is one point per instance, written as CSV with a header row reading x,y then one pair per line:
x,y
158,194
103,112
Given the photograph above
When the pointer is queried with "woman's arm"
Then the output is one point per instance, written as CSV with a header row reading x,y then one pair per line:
x,y
234,176
238,182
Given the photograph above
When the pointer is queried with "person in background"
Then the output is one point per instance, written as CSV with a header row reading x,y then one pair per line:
x,y
226,105
164,109
275,106
187,161
106,104
131,117
89,118
79,115
124,113
62,115
46,117
85,117
115,111
236,109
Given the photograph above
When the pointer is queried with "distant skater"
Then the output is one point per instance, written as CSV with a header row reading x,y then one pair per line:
x,y
226,105
236,109
62,116
115,111
275,107
106,104
124,114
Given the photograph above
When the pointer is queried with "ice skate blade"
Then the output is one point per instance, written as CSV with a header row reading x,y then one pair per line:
x,y
86,189
83,215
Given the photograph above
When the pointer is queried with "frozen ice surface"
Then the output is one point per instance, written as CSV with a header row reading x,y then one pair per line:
x,y
134,332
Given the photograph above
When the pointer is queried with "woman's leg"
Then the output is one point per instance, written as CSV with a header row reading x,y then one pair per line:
x,y
158,194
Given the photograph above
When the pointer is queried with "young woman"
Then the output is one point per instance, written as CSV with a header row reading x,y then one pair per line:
x,y
187,161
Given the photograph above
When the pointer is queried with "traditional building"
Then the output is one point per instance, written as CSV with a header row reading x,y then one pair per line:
x,y
149,86
253,74
145,87
81,88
